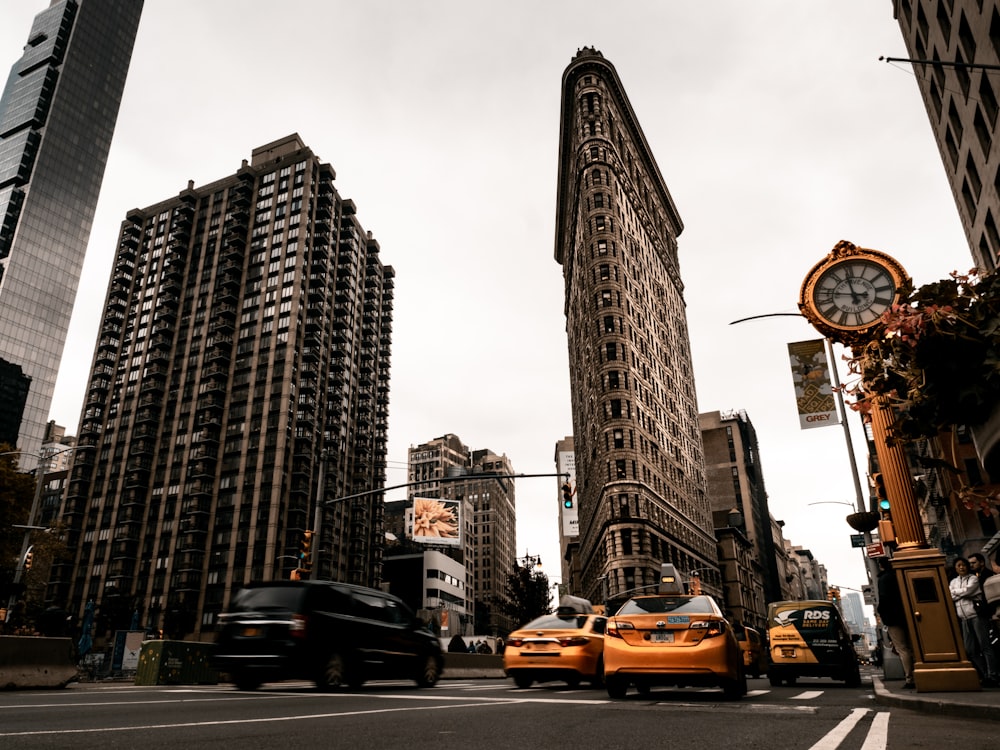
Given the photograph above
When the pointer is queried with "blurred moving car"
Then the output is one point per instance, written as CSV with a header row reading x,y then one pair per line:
x,y
334,634
753,649
810,639
672,638
568,646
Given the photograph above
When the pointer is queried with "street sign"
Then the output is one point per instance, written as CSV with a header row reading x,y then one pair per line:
x,y
857,540
876,550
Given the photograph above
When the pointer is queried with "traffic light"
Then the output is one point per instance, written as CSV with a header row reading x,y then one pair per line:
x,y
567,495
878,485
305,551
27,558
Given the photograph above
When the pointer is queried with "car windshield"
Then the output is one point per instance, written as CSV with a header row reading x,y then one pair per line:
x,y
267,598
557,622
658,604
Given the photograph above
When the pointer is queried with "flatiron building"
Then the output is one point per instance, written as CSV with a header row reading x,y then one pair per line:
x,y
640,468
240,379
57,116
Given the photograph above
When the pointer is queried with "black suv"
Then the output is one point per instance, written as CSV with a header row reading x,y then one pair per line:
x,y
332,633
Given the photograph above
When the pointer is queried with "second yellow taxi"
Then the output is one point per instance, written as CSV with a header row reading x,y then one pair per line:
x,y
566,646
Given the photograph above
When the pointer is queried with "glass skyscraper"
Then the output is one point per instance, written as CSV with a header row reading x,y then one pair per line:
x,y
57,117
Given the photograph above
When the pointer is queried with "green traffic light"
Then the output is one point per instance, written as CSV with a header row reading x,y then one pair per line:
x,y
883,504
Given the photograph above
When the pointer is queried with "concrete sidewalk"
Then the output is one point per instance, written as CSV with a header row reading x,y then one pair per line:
x,y
984,704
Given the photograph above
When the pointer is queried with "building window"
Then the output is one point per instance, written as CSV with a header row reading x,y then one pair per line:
x,y
611,352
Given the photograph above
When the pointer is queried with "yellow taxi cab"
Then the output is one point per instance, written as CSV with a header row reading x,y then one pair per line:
x,y
567,646
753,650
672,638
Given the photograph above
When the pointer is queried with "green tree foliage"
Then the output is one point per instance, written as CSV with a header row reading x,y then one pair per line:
x,y
17,490
528,593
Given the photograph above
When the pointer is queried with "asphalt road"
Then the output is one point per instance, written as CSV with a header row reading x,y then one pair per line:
x,y
476,714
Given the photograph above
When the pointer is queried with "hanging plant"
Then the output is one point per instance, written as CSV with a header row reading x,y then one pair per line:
x,y
937,360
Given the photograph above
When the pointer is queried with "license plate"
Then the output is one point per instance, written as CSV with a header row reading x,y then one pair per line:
x,y
251,632
788,653
661,637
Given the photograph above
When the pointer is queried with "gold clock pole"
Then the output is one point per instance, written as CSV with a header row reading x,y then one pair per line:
x,y
854,282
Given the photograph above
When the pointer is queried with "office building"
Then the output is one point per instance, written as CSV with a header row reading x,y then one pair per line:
x,y
14,385
240,379
57,117
487,541
640,466
957,47
735,481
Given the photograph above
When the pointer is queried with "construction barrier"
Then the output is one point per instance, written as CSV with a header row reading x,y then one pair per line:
x,y
28,662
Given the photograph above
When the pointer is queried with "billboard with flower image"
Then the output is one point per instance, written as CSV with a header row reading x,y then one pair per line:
x,y
435,521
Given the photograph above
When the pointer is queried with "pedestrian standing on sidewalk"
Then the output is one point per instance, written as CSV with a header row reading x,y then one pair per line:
x,y
890,610
988,609
965,591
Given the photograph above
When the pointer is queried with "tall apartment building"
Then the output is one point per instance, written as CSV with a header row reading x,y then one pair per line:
x,y
57,115
241,377
488,547
639,460
735,480
956,38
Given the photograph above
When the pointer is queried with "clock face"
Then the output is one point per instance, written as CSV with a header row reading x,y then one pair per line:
x,y
854,293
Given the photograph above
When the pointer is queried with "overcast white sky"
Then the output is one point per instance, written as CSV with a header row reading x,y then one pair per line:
x,y
776,127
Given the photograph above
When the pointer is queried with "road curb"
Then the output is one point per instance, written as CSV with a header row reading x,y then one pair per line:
x,y
950,704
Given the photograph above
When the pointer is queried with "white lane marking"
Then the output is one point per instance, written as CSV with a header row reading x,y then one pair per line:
x,y
808,695
837,735
299,717
755,693
878,735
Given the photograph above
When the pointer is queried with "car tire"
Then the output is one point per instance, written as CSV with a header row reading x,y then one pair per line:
x,y
430,673
733,690
335,673
246,681
774,679
854,678
522,680
573,681
616,687
597,680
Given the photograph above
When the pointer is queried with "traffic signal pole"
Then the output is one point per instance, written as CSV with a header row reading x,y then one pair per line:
x,y
440,480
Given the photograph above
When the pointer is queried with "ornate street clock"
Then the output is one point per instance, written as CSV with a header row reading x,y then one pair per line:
x,y
845,294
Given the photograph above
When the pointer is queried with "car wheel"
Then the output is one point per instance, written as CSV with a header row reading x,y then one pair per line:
x,y
246,681
854,678
573,681
733,690
598,679
616,687
430,674
522,680
335,674
774,679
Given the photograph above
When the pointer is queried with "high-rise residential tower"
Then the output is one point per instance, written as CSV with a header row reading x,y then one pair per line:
x,y
57,116
240,378
640,467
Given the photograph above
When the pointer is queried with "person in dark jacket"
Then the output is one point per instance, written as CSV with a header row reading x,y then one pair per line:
x,y
893,616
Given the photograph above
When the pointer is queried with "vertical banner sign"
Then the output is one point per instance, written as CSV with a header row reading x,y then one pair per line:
x,y
813,389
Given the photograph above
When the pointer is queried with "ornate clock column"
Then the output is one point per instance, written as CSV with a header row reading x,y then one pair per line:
x,y
844,296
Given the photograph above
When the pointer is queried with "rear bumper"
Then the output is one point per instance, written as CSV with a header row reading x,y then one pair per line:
x,y
711,660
